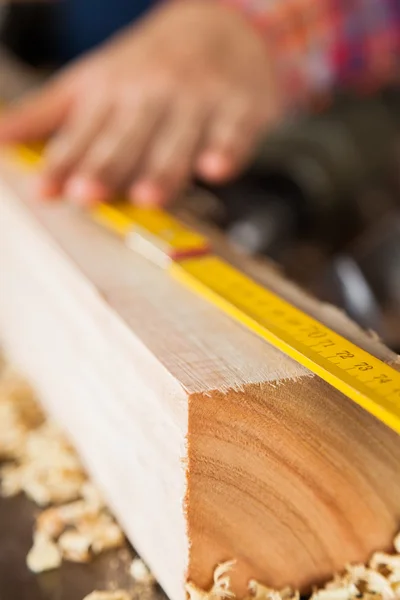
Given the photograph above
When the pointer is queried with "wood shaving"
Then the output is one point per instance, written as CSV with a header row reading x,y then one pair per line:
x,y
92,496
51,486
387,564
103,532
220,588
12,433
11,477
117,595
140,572
16,392
75,546
53,521
19,414
262,592
107,537
369,581
344,592
47,446
44,554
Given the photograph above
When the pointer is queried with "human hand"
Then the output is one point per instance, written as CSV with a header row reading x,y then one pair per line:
x,y
188,91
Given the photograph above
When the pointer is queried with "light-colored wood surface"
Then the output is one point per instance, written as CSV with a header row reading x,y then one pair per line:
x,y
208,443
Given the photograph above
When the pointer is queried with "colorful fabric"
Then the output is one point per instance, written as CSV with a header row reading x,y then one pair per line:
x,y
318,45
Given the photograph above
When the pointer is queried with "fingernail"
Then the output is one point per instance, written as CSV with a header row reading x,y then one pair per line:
x,y
146,193
45,189
214,165
85,192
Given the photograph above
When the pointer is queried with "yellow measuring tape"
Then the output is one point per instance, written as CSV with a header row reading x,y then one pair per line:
x,y
362,377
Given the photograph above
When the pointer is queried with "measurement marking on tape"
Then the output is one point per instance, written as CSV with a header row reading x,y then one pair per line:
x,y
295,332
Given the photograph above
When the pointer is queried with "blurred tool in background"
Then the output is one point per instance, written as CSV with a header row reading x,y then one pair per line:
x,y
322,197
323,200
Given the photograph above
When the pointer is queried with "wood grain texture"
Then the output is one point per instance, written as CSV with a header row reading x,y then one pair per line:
x,y
209,444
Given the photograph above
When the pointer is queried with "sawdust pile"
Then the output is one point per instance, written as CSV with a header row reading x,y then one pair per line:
x,y
379,580
37,460
76,525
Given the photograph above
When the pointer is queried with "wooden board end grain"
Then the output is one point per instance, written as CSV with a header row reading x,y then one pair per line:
x,y
208,443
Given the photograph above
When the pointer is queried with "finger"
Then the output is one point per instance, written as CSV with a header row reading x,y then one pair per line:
x,y
114,157
37,116
170,161
86,192
67,148
232,138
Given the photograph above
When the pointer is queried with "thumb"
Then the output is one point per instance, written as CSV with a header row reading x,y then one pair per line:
x,y
37,116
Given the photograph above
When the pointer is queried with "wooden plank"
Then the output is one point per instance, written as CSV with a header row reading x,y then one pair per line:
x,y
208,443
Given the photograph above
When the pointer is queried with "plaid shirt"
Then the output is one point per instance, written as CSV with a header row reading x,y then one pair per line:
x,y
318,45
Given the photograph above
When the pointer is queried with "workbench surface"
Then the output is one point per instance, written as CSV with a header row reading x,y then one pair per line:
x,y
72,581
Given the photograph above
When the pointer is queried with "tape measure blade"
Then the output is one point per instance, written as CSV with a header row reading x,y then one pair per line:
x,y
144,227
111,218
31,155
166,229
362,377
